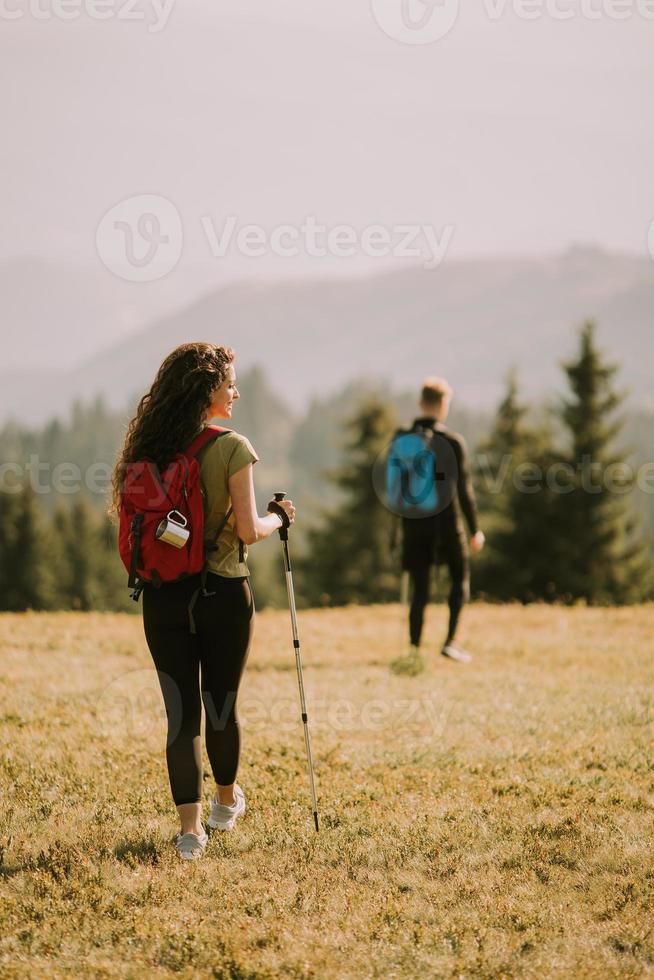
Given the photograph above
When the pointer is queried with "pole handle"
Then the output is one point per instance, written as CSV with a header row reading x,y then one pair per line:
x,y
283,531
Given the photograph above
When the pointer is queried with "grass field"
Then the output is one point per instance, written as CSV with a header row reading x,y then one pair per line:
x,y
490,820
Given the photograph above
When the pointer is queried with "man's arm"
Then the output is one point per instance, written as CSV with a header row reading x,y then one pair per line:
x,y
464,486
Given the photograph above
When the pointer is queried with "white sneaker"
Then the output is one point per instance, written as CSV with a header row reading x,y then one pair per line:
x,y
191,846
224,817
456,653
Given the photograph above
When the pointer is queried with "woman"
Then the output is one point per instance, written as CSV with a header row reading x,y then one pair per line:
x,y
195,383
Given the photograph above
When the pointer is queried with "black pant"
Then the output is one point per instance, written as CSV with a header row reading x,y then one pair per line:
x,y
219,649
456,558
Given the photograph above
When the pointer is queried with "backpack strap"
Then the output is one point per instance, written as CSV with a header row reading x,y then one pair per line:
x,y
423,427
137,520
208,434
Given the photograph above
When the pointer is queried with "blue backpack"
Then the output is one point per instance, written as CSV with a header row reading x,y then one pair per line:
x,y
411,478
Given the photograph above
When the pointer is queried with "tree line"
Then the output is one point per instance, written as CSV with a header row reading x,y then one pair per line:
x,y
555,499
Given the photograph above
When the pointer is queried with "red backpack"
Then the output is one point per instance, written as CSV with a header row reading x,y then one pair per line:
x,y
161,534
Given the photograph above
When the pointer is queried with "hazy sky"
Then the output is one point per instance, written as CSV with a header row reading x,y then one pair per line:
x,y
521,136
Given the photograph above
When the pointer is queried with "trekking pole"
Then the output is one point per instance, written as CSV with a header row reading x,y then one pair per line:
x,y
283,534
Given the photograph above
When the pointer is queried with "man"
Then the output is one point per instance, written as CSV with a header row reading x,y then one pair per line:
x,y
440,537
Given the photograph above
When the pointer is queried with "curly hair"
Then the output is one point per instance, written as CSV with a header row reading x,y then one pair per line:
x,y
172,412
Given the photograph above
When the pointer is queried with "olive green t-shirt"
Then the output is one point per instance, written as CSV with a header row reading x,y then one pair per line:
x,y
218,461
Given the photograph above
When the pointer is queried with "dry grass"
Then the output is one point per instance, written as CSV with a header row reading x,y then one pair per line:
x,y
491,820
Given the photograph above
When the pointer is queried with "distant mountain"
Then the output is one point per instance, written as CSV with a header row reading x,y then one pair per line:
x,y
467,320
56,314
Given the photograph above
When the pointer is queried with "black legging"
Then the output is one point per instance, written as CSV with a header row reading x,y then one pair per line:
x,y
224,624
457,562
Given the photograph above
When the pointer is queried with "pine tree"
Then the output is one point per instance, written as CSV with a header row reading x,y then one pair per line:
x,y
9,508
349,556
82,553
27,575
110,577
60,534
605,558
519,561
496,455
530,555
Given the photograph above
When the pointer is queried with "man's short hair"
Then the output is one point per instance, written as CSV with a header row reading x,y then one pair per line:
x,y
433,391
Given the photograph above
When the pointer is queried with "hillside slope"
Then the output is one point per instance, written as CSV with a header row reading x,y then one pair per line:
x,y
468,320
